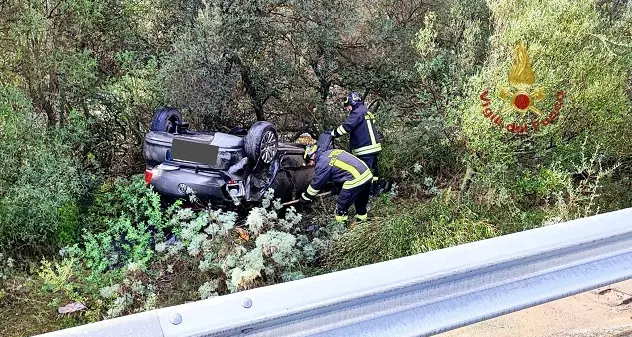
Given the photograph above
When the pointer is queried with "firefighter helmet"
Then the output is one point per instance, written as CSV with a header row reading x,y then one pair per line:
x,y
352,99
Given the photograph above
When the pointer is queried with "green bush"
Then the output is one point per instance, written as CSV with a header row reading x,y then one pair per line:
x,y
40,178
116,250
127,197
412,229
124,221
423,147
131,266
421,131
537,188
68,232
573,46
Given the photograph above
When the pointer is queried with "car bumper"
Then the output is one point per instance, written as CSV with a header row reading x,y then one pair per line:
x,y
177,182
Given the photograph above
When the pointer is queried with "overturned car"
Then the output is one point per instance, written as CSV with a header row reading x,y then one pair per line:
x,y
223,169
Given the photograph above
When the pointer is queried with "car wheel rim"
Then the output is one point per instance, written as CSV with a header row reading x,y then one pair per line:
x,y
268,147
265,176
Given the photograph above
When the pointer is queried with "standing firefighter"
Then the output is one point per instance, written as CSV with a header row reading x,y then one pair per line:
x,y
342,168
363,136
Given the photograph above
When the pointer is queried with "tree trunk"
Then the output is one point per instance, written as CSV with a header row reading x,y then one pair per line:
x,y
255,97
258,111
44,104
467,179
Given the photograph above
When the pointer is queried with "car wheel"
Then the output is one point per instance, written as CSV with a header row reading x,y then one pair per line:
x,y
261,179
165,120
261,143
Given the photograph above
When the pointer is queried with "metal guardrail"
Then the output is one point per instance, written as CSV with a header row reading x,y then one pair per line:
x,y
418,295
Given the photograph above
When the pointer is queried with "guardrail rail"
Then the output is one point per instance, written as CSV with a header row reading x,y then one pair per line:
x,y
419,295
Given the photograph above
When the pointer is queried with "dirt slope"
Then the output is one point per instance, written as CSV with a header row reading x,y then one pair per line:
x,y
605,312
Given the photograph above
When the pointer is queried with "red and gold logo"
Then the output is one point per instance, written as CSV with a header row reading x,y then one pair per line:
x,y
523,98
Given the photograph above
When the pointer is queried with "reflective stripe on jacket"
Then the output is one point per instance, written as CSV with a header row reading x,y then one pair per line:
x,y
338,166
363,137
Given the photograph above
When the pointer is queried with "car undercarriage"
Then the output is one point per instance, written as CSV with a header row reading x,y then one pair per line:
x,y
245,166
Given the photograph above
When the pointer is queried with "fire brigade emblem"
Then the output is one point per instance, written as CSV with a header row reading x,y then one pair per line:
x,y
522,97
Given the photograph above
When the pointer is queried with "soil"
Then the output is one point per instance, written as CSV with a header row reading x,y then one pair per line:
x,y
605,312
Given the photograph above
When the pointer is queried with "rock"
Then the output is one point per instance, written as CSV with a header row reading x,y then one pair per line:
x,y
601,291
626,300
72,307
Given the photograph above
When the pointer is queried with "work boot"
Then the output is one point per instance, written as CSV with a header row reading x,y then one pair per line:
x,y
342,219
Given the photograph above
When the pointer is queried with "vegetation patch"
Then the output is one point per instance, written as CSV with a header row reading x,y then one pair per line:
x,y
81,80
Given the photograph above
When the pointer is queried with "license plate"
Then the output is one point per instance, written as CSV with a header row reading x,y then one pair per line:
x,y
186,150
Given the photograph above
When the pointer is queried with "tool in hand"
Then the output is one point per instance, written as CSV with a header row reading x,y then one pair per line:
x,y
297,200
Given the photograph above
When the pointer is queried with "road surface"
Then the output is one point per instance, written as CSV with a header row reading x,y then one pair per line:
x,y
605,312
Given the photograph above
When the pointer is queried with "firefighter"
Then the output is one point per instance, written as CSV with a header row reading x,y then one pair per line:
x,y
344,169
364,140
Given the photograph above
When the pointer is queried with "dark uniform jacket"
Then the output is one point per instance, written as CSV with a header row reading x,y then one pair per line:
x,y
363,137
338,166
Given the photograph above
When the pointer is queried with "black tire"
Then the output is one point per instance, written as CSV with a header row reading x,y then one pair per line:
x,y
165,120
261,143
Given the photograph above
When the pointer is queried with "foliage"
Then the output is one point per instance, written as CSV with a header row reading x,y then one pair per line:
x,y
40,179
123,269
60,51
82,78
583,188
6,267
60,278
441,223
236,258
123,112
565,42
422,129
126,197
68,224
269,51
133,225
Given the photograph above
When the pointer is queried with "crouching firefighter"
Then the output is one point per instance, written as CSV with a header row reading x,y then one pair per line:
x,y
364,140
342,168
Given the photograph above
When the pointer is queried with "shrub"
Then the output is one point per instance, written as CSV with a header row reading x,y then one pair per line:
x,y
134,221
569,44
7,267
414,228
40,178
68,224
539,186
583,185
127,197
130,266
422,129
268,250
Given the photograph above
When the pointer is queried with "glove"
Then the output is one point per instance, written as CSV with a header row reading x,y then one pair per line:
x,y
304,200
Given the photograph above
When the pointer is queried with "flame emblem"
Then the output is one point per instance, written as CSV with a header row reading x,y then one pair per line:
x,y
522,78
521,75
